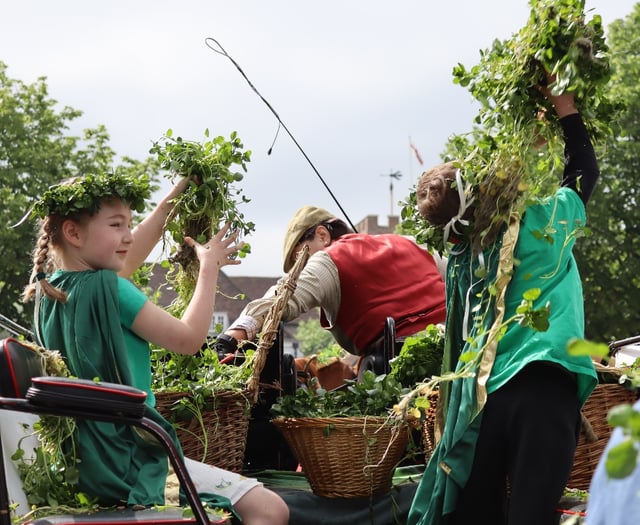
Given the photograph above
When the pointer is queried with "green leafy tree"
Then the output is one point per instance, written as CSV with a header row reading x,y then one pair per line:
x,y
609,258
313,338
36,151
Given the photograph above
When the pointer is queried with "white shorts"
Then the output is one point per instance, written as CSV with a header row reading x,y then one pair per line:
x,y
213,480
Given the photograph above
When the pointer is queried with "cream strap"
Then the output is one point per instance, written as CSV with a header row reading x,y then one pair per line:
x,y
503,278
465,201
467,302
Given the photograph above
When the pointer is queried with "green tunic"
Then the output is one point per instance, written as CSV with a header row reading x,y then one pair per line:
x,y
92,331
544,263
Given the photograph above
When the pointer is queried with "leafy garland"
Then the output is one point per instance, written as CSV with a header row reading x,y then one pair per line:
x,y
86,192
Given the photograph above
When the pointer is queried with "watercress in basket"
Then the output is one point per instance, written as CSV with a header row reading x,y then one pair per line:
x,y
200,377
372,396
375,395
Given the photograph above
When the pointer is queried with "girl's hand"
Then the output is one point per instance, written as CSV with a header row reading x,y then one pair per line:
x,y
178,188
563,104
219,249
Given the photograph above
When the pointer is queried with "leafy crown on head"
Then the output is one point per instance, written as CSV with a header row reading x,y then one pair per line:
x,y
85,193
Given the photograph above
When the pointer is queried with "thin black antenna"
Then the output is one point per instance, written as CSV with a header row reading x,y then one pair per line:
x,y
221,51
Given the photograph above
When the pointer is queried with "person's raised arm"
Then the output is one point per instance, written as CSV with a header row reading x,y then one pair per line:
x,y
148,233
186,335
581,170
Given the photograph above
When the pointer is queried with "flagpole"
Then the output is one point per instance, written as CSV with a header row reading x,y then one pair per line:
x,y
415,152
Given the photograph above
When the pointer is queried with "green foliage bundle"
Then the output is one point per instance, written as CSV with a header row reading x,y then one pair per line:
x,y
501,162
50,475
200,376
420,357
211,199
373,396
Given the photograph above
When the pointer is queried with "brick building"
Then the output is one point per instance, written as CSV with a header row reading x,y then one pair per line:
x,y
370,225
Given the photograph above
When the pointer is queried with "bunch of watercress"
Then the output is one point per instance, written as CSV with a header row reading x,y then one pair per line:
x,y
513,152
211,199
420,357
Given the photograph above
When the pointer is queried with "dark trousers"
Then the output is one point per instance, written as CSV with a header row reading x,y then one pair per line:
x,y
528,435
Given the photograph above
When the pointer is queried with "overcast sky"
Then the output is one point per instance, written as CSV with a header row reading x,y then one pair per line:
x,y
353,80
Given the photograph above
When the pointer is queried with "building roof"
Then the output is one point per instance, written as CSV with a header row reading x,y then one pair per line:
x,y
234,293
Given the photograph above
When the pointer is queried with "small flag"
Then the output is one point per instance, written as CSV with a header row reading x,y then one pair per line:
x,y
415,150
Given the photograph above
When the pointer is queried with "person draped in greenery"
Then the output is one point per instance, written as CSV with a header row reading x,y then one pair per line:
x,y
511,426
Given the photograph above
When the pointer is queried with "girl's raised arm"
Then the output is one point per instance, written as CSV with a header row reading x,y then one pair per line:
x,y
147,234
187,335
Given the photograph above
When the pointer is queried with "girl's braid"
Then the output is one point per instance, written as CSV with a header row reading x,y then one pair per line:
x,y
43,263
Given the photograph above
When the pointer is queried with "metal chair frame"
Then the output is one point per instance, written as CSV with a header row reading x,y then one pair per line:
x,y
101,411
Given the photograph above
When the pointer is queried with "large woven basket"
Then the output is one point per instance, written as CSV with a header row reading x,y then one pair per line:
x,y
591,444
220,437
345,457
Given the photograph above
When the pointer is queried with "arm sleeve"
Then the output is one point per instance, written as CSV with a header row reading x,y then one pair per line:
x,y
581,167
318,285
131,301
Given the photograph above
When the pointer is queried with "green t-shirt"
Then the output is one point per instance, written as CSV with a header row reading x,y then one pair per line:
x,y
545,263
131,302
92,331
549,265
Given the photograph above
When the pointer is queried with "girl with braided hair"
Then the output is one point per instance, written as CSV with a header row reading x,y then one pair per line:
x,y
102,325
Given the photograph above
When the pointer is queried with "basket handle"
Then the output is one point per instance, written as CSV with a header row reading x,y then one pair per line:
x,y
587,429
271,322
614,346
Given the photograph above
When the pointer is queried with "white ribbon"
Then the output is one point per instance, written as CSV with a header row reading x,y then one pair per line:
x,y
24,218
467,303
462,209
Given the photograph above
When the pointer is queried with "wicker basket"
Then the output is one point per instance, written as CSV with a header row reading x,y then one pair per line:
x,y
226,423
345,457
591,445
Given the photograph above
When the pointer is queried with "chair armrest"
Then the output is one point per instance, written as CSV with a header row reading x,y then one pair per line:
x,y
96,396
